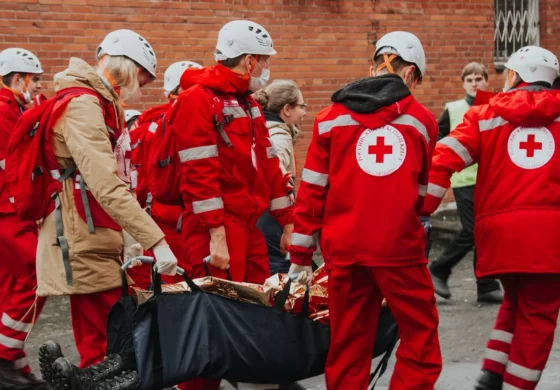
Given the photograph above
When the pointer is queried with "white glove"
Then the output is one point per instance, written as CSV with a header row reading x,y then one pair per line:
x,y
131,250
166,262
304,273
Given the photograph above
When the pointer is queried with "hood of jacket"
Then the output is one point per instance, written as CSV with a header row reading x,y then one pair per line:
x,y
218,78
530,106
387,96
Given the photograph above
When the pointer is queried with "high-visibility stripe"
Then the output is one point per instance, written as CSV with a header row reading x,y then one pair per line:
x,y
10,342
3,165
237,112
312,177
21,363
12,200
55,173
455,145
271,152
202,206
77,183
198,153
255,112
153,127
412,121
280,203
557,119
523,372
497,356
502,336
435,190
422,190
303,240
490,124
342,120
9,322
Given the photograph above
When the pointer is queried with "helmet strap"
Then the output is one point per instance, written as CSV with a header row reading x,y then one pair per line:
x,y
387,63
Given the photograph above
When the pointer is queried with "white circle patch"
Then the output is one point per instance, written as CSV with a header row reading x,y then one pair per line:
x,y
381,151
531,147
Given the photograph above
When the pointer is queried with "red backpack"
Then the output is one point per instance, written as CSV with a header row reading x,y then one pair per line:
x,y
34,177
164,162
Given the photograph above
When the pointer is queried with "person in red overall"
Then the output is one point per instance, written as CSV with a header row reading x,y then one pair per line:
x,y
167,217
517,210
362,189
226,188
19,308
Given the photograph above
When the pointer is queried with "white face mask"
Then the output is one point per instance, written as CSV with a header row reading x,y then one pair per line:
x,y
131,95
257,83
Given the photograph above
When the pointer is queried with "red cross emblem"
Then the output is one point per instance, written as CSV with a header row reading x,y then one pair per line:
x,y
380,150
530,145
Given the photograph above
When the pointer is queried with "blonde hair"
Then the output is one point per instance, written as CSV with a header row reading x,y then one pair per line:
x,y
275,96
122,69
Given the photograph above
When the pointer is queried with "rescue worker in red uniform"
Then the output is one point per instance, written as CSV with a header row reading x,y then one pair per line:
x,y
167,217
226,189
517,211
21,79
362,188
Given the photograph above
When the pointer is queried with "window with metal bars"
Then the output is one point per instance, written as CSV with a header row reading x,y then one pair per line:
x,y
517,25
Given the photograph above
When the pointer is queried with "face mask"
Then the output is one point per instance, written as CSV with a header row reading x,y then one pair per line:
x,y
131,95
257,83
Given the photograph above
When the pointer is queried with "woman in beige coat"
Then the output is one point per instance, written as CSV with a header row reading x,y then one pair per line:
x,y
80,243
284,109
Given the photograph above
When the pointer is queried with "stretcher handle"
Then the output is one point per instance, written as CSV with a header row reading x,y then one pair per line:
x,y
206,261
147,260
156,280
285,293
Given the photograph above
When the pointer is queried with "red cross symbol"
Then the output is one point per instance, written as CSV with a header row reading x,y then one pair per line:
x,y
530,146
380,150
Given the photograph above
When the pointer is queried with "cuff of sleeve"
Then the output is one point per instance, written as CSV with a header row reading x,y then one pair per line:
x,y
286,217
300,259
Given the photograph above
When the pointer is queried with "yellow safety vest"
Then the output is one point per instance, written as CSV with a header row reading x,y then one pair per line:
x,y
467,177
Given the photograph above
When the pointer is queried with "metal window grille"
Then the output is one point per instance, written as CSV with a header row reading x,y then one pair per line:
x,y
517,25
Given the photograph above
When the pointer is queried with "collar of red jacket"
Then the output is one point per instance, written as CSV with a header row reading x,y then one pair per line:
x,y
531,108
154,113
8,98
218,78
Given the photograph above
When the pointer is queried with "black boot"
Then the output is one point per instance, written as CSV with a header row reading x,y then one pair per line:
x,y
440,286
128,380
68,376
48,353
11,378
489,380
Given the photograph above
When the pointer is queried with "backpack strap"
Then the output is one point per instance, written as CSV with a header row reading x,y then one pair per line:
x,y
149,201
217,123
382,366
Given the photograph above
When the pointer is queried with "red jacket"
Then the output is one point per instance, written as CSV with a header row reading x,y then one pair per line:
x,y
516,140
10,111
140,138
365,178
240,181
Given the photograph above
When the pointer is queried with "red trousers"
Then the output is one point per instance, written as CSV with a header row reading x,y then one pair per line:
x,y
142,275
522,338
18,283
89,323
248,263
355,297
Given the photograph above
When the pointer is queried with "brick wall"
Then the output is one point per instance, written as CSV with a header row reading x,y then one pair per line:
x,y
323,44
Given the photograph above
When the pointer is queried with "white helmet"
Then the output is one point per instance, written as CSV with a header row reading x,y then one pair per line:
x,y
405,45
243,37
19,60
533,64
172,76
129,114
129,44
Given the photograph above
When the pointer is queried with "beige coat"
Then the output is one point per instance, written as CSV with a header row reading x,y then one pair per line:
x,y
283,137
81,135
